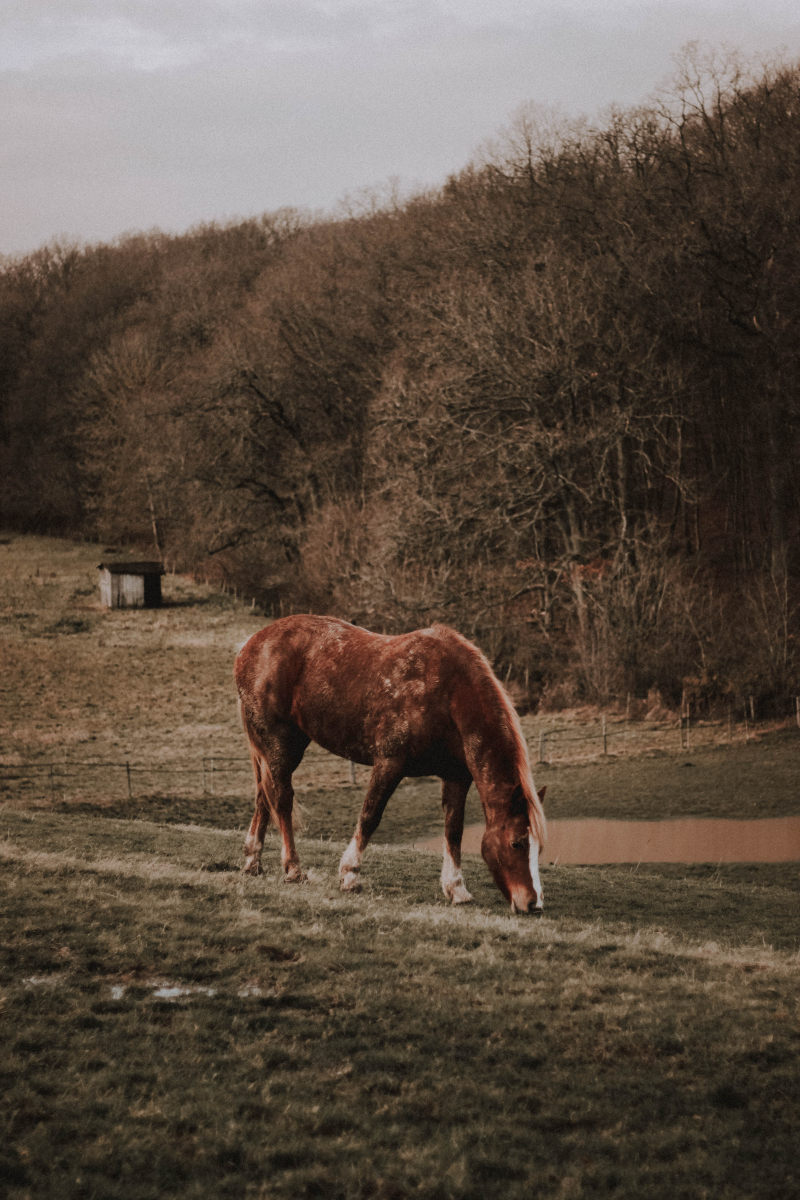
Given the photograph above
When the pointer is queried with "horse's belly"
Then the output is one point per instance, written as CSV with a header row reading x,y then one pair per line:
x,y
365,739
335,733
438,760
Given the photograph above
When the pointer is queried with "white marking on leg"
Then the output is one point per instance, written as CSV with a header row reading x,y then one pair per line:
x,y
252,856
534,860
453,884
349,867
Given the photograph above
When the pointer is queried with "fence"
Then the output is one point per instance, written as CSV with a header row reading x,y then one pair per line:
x,y
550,743
126,780
622,736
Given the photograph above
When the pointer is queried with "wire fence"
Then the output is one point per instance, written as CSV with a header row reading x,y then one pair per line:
x,y
126,780
621,736
228,776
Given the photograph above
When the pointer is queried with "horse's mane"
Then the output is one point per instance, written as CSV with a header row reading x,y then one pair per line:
x,y
510,719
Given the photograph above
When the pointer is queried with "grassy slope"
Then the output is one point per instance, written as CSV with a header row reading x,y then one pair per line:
x,y
383,1045
81,683
641,1039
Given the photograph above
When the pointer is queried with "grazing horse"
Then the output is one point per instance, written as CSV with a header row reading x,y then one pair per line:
x,y
422,703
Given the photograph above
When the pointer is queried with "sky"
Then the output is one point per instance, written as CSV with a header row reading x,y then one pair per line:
x,y
119,116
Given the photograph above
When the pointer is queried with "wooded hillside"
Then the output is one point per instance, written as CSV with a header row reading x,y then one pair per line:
x,y
554,403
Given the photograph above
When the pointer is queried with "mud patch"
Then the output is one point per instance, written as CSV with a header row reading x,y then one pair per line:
x,y
687,840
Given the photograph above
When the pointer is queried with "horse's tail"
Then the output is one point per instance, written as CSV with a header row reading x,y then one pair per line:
x,y
262,776
265,789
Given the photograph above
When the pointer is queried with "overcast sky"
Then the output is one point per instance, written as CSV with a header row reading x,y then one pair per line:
x,y
122,115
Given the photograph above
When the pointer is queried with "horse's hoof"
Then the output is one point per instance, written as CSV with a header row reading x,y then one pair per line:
x,y
350,882
295,875
252,868
457,893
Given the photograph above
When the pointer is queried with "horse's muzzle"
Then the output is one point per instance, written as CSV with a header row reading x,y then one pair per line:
x,y
532,909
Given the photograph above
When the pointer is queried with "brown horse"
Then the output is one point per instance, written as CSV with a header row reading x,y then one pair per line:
x,y
422,703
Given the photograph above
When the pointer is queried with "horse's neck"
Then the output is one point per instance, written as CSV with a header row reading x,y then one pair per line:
x,y
490,745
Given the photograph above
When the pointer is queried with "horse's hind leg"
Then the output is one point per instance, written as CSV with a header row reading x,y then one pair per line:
x,y
284,805
454,796
275,757
385,777
255,834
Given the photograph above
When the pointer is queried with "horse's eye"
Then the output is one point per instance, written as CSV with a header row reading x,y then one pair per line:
x,y
518,844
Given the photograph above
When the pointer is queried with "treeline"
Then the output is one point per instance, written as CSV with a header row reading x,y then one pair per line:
x,y
553,403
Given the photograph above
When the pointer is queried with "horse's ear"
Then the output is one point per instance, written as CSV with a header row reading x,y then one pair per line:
x,y
541,791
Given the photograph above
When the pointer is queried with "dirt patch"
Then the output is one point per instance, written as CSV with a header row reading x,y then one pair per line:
x,y
690,840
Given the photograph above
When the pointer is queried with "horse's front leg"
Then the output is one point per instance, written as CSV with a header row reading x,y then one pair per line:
x,y
385,777
454,796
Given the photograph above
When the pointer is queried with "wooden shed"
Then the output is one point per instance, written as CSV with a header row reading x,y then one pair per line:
x,y
131,584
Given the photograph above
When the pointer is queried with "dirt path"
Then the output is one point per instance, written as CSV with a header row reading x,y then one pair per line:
x,y
691,840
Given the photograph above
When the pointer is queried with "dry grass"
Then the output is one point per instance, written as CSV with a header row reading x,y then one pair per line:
x,y
87,682
82,684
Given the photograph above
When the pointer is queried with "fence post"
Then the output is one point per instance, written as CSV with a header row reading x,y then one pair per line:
x,y
128,774
627,719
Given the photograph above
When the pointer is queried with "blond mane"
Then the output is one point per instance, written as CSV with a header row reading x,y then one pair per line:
x,y
507,710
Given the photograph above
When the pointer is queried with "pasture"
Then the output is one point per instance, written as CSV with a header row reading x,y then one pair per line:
x,y
172,1028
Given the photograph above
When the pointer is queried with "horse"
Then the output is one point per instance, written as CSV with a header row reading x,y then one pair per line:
x,y
413,704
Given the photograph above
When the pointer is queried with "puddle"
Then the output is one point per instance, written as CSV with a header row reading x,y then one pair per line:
x,y
157,991
178,992
686,840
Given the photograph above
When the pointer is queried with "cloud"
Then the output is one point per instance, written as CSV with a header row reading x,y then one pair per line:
x,y
124,114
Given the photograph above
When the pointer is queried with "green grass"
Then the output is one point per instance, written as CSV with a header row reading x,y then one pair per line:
x,y
756,779
751,779
641,1041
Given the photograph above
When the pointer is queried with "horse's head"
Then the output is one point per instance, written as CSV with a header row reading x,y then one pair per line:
x,y
511,851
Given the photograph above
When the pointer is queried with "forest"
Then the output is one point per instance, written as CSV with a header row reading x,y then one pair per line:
x,y
554,402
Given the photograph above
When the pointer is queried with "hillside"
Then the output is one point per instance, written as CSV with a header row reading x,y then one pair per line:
x,y
135,711
554,402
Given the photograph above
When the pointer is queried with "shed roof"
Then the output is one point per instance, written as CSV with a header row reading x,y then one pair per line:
x,y
132,568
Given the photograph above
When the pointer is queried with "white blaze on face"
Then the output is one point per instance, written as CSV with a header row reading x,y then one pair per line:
x,y
534,847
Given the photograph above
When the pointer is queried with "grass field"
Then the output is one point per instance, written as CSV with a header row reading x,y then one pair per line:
x,y
174,1029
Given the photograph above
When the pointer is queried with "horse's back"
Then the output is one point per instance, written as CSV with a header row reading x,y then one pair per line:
x,y
329,647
